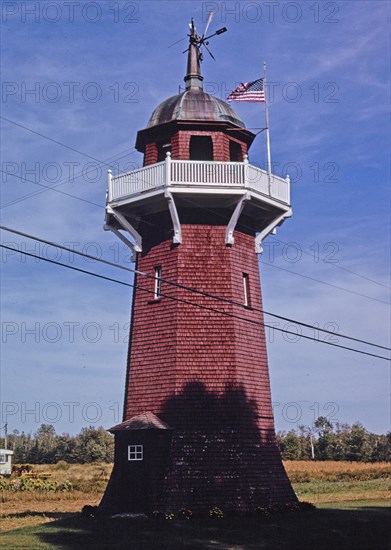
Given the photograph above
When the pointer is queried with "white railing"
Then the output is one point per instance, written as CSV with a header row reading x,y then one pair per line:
x,y
185,172
145,179
191,173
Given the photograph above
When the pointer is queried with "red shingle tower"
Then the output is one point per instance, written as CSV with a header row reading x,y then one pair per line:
x,y
198,427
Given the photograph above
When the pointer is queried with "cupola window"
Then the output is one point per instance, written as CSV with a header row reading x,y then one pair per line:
x,y
201,148
235,151
162,149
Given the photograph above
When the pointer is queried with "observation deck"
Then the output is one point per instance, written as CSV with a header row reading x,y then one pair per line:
x,y
239,187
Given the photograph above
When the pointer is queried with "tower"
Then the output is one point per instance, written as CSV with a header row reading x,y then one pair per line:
x,y
198,428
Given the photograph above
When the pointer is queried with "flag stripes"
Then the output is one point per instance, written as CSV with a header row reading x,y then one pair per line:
x,y
250,91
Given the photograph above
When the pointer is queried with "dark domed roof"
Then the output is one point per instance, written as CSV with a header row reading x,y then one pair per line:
x,y
194,105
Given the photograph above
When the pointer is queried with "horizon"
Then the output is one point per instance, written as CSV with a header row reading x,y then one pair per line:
x,y
90,79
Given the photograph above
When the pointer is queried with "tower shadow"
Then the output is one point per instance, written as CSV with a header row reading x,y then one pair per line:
x,y
220,455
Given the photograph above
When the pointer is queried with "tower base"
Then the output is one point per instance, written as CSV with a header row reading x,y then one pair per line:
x,y
213,458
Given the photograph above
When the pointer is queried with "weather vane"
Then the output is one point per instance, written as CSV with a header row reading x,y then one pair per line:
x,y
202,41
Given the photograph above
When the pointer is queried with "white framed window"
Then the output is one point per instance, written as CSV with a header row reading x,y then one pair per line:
x,y
246,289
135,452
158,282
3,459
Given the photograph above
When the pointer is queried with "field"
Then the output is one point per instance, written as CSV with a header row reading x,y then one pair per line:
x,y
352,500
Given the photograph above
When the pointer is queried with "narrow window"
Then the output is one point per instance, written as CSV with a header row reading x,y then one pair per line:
x,y
246,289
3,459
162,149
135,452
158,282
235,151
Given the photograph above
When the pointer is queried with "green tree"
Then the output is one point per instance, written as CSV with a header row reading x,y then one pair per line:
x,y
45,444
358,444
290,446
324,447
381,448
94,445
22,446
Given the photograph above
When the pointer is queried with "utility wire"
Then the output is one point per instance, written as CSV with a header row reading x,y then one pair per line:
x,y
199,306
67,180
48,187
340,267
190,289
218,214
324,283
282,242
52,188
54,141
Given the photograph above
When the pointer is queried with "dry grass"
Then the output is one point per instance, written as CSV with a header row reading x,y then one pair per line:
x,y
21,509
77,472
320,482
301,471
316,482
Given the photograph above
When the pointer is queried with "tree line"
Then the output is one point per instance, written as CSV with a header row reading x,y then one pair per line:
x,y
46,447
325,441
322,441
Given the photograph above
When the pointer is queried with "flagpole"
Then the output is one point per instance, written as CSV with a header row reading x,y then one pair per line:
x,y
269,164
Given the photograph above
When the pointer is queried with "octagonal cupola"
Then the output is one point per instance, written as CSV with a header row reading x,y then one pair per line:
x,y
194,125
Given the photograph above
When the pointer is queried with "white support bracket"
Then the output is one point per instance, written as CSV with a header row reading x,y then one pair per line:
x,y
123,239
229,234
137,246
269,229
177,238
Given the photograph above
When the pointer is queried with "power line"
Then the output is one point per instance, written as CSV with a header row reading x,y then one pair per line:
x,y
54,187
190,289
193,304
54,140
341,267
247,227
48,187
278,240
324,283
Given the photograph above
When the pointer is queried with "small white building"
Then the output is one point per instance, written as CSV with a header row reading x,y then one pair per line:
x,y
6,462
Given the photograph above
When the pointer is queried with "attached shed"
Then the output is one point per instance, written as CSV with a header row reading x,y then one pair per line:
x,y
6,462
142,450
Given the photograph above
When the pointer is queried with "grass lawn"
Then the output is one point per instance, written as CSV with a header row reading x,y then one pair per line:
x,y
357,525
353,501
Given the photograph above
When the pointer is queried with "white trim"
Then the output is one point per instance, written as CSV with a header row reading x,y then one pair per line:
x,y
269,229
177,238
229,234
246,289
137,247
135,453
158,282
123,239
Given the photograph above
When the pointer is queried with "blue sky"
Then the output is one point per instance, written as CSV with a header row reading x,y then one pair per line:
x,y
89,75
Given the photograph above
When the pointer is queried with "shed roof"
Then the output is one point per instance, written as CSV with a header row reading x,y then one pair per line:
x,y
143,421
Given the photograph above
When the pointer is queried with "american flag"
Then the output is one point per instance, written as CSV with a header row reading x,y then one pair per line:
x,y
251,91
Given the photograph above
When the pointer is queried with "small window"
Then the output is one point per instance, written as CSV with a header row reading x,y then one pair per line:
x,y
135,452
158,282
3,459
246,289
